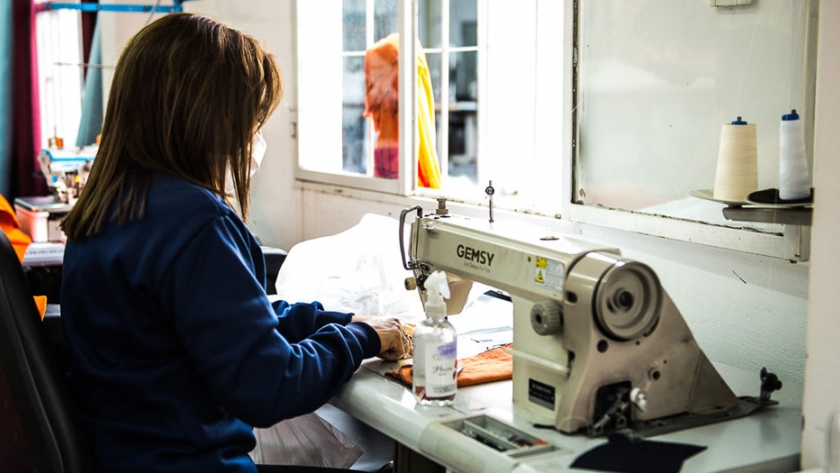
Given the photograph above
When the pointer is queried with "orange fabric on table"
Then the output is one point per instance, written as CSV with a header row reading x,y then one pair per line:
x,y
488,367
10,225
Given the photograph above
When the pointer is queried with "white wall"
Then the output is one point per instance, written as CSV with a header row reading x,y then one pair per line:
x,y
745,310
275,212
822,387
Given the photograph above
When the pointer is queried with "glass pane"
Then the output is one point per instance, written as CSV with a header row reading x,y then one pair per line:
x,y
433,60
354,125
428,23
463,114
463,21
353,25
439,137
385,16
657,84
463,78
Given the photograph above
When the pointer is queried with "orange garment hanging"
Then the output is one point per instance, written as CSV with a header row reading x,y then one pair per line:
x,y
20,241
382,105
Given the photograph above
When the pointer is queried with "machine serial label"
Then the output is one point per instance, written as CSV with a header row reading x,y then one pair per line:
x,y
549,273
541,394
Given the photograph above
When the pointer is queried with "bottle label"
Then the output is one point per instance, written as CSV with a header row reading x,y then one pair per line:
x,y
440,369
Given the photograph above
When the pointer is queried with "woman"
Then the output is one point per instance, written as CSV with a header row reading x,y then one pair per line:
x,y
176,353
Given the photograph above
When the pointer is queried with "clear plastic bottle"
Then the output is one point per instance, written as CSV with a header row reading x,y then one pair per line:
x,y
435,348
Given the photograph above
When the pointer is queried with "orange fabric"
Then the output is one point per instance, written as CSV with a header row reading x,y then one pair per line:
x,y
41,303
382,105
488,367
10,225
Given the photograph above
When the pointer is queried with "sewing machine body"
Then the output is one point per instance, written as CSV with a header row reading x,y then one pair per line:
x,y
597,343
66,171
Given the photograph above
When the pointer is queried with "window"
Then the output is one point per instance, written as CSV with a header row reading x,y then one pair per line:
x,y
656,80
478,52
580,110
60,75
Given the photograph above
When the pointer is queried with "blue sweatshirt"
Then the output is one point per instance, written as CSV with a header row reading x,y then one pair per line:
x,y
175,350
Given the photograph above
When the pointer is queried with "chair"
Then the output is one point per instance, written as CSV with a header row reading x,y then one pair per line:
x,y
35,377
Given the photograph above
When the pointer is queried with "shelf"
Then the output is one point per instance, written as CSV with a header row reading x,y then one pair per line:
x,y
789,216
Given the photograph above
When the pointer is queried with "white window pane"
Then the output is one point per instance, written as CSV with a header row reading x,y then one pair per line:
x,y
463,115
385,18
354,134
429,22
60,75
463,19
463,78
433,60
353,25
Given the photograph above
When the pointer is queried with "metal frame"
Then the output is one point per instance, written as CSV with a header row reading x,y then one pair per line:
x,y
176,7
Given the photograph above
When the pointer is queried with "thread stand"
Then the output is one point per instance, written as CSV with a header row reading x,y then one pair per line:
x,y
788,216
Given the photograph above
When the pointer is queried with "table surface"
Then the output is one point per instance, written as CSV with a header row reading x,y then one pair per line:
x,y
766,441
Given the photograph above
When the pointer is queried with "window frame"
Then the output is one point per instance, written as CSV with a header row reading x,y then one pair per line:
x,y
60,102
405,182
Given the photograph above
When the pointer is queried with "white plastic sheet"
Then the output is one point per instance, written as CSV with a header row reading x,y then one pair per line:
x,y
359,270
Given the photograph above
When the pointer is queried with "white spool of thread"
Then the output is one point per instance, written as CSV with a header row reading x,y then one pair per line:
x,y
794,178
736,175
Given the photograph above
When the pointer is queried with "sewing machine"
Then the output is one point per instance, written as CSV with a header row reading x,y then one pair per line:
x,y
66,171
598,345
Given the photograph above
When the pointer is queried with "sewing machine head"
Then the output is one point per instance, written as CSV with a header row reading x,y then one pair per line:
x,y
66,171
598,345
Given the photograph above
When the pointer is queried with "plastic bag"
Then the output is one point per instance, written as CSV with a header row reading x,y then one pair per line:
x,y
307,440
360,270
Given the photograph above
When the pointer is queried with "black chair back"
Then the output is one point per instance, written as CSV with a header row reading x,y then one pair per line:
x,y
35,376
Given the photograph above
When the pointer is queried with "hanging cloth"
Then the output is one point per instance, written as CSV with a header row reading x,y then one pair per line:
x,y
382,106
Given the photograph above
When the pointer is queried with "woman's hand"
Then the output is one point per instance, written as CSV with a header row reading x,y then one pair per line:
x,y
396,343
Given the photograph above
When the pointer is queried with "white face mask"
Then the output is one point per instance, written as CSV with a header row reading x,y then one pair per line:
x,y
258,148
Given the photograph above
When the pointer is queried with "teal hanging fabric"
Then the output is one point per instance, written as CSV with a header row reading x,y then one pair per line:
x,y
91,123
6,96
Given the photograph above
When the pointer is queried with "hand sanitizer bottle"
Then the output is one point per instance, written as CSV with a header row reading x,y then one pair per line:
x,y
435,348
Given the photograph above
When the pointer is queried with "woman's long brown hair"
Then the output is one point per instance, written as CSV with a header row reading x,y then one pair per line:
x,y
188,94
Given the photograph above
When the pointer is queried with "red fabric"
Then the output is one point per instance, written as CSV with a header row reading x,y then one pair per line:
x,y
88,26
386,161
26,116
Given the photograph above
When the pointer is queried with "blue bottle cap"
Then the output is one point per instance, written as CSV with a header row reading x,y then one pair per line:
x,y
739,122
791,116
